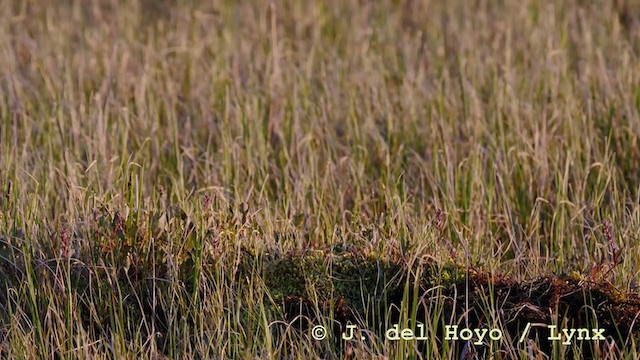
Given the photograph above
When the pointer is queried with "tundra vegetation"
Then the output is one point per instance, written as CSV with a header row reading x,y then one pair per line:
x,y
211,179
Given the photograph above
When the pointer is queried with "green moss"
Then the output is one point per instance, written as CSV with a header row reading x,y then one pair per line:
x,y
326,276
446,275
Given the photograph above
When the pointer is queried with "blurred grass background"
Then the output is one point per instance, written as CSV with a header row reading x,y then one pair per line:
x,y
501,135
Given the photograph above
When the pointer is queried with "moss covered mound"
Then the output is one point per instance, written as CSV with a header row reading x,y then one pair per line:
x,y
351,287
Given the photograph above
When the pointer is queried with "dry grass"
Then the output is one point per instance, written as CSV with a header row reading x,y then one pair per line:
x,y
146,145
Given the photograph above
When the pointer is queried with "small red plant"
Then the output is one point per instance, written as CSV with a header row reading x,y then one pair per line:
x,y
65,240
206,201
439,219
613,247
615,252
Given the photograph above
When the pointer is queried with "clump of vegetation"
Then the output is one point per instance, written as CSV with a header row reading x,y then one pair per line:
x,y
359,282
178,179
